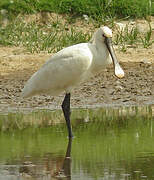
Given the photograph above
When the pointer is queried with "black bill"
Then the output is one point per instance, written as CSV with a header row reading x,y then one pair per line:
x,y
117,69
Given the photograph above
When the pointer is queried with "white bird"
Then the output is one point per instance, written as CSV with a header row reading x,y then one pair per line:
x,y
71,66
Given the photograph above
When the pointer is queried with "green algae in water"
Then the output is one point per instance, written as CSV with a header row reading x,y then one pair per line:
x,y
108,144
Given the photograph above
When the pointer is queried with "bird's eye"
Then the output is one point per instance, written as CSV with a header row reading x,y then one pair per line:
x,y
103,35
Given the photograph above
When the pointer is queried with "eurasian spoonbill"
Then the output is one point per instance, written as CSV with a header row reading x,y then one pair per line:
x,y
71,66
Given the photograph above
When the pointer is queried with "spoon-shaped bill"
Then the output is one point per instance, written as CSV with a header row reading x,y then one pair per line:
x,y
117,69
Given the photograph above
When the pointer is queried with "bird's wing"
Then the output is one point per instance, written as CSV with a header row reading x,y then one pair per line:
x,y
64,70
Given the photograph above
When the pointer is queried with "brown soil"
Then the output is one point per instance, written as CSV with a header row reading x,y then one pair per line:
x,y
136,88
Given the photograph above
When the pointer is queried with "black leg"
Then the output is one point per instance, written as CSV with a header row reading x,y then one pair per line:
x,y
67,113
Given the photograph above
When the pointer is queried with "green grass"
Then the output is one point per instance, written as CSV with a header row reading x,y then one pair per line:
x,y
97,9
133,38
37,37
53,36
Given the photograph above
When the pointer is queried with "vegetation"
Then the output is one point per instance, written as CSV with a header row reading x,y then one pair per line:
x,y
95,8
36,37
54,36
132,37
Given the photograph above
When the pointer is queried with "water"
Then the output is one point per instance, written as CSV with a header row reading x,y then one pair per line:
x,y
109,144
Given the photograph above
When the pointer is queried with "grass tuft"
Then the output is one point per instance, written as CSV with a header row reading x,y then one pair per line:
x,y
133,38
146,39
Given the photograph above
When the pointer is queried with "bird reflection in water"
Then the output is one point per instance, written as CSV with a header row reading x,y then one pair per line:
x,y
52,167
65,171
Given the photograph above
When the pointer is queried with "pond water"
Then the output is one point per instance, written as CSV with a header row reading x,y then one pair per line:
x,y
109,144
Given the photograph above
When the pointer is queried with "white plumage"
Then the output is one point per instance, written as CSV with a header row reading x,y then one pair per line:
x,y
72,65
67,68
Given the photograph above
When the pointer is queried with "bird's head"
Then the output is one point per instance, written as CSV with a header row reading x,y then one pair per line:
x,y
106,32
104,35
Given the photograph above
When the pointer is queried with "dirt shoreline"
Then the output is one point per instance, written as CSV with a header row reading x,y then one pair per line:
x,y
103,90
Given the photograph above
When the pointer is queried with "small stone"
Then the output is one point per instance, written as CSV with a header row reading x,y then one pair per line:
x,y
118,87
86,17
146,61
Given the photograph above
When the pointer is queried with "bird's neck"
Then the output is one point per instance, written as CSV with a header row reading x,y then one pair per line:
x,y
102,58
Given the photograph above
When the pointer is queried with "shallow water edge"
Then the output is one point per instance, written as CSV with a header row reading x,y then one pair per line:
x,y
44,117
109,143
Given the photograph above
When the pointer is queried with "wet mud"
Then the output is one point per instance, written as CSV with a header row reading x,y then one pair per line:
x,y
136,88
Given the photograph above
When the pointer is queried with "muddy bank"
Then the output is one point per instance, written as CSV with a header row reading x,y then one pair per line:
x,y
136,88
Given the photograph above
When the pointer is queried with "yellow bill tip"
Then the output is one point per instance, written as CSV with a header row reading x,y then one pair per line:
x,y
119,72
